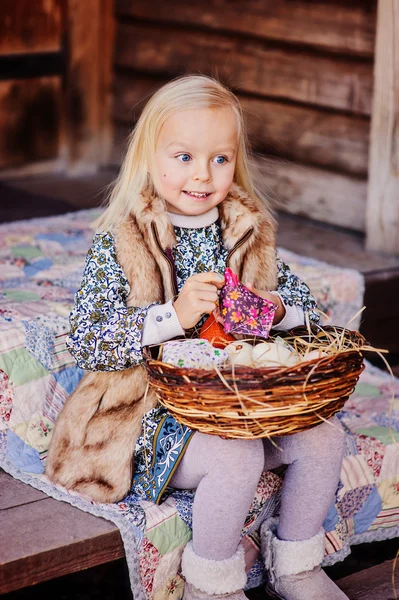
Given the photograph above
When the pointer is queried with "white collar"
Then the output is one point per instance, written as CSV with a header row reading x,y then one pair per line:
x,y
194,221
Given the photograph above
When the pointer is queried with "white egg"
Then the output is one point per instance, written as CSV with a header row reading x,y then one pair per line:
x,y
269,354
313,355
240,353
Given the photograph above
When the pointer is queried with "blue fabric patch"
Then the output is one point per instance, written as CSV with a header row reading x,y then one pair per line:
x,y
61,238
73,241
72,281
39,341
387,420
184,504
349,440
331,519
23,456
368,512
36,266
257,575
3,444
69,378
10,284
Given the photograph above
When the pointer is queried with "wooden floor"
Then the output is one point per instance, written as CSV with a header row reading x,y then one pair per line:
x,y
374,584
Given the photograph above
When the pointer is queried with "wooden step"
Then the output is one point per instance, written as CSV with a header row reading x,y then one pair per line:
x,y
372,584
42,538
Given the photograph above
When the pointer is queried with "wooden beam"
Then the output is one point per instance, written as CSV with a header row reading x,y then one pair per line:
x,y
383,189
315,193
90,34
308,135
301,134
27,26
250,65
30,120
346,27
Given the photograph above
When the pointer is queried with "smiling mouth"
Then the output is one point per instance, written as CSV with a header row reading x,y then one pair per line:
x,y
200,195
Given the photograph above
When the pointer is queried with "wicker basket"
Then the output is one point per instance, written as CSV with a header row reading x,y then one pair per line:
x,y
244,402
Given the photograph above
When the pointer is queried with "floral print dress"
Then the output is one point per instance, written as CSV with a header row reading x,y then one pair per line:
x,y
106,335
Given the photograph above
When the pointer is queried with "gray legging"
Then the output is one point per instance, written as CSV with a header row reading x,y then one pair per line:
x,y
225,474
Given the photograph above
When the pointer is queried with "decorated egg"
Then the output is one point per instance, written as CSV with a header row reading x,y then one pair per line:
x,y
240,353
213,331
270,354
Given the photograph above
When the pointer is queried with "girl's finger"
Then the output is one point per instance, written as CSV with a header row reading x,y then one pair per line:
x,y
199,287
206,296
207,307
209,277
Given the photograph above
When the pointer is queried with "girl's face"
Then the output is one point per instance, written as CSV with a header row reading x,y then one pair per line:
x,y
195,159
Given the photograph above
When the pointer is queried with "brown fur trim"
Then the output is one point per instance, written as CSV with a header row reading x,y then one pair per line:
x,y
138,262
151,208
96,433
240,212
255,260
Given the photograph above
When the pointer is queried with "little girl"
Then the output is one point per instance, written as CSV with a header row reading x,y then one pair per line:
x,y
185,207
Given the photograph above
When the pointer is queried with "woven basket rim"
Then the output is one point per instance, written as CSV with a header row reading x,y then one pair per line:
x,y
240,369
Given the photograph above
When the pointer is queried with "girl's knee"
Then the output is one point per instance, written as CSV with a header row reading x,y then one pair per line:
x,y
245,457
333,432
337,435
326,438
329,436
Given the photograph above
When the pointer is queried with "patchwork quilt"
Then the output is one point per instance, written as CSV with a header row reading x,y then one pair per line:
x,y
41,265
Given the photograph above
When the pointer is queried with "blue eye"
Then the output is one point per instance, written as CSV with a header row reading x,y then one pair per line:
x,y
184,157
220,160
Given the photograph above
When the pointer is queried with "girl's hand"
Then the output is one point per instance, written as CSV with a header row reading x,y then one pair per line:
x,y
198,297
280,312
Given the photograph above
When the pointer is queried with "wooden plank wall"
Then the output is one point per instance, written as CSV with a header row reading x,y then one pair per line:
x,y
382,214
27,27
88,79
55,86
302,69
31,96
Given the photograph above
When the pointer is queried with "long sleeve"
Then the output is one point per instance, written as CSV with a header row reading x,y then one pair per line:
x,y
161,324
294,292
294,316
105,333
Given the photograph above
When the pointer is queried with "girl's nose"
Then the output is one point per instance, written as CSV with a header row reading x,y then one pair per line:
x,y
205,177
202,174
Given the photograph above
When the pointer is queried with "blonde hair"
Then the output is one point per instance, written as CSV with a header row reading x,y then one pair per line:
x,y
191,91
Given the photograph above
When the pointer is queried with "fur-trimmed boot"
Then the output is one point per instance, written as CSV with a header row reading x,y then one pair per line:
x,y
294,567
213,579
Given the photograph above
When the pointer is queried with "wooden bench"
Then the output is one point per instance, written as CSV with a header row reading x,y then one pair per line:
x,y
42,538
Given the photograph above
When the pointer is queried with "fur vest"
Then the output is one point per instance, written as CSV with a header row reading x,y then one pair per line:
x,y
93,442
